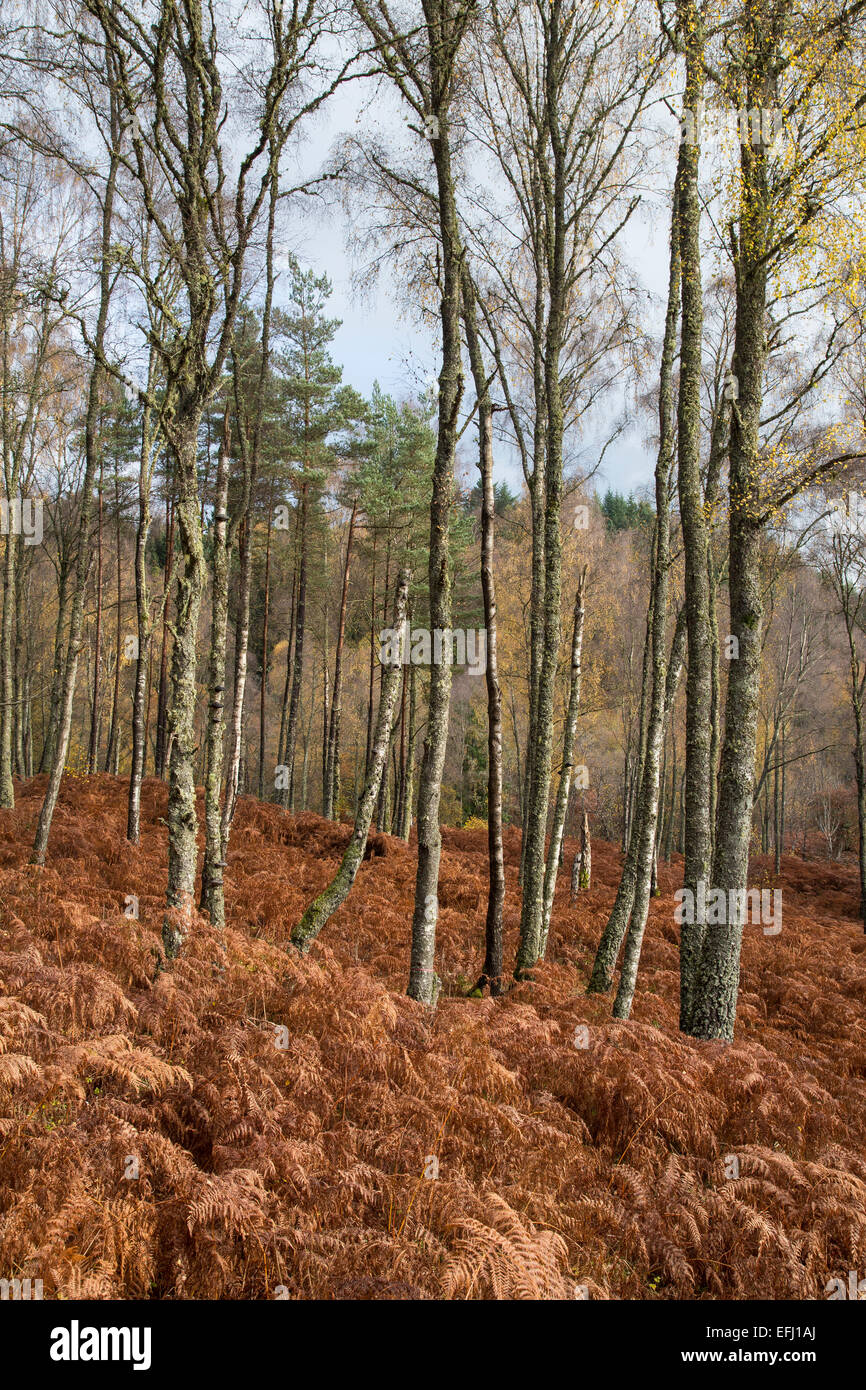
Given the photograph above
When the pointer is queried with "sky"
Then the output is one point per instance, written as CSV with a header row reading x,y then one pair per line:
x,y
378,340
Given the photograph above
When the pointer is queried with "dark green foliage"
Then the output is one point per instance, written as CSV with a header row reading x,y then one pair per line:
x,y
622,513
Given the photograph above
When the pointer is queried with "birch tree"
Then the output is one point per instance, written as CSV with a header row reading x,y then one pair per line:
x,y
171,82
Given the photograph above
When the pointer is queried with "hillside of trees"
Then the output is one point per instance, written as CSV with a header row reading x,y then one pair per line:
x,y
434,858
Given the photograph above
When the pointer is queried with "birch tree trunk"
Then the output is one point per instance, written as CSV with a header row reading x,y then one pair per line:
x,y
491,972
581,869
287,794
93,751
143,619
332,761
212,894
654,672
239,682
564,788
699,677
714,1001
405,827
161,751
532,904
263,689
91,465
446,27
182,819
647,816
113,749
424,983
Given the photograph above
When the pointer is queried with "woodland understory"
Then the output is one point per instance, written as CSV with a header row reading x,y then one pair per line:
x,y
362,746
558,1165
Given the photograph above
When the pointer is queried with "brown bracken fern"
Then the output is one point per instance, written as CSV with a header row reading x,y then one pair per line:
x,y
246,1119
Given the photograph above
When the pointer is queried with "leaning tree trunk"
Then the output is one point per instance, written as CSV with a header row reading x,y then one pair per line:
x,y
326,904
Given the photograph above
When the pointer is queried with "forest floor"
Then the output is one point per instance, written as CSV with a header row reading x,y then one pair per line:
x,y
300,1128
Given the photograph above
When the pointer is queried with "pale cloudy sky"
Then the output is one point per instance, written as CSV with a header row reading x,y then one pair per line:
x,y
379,340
